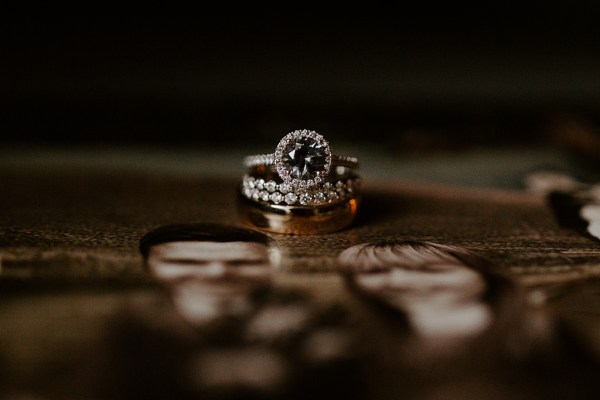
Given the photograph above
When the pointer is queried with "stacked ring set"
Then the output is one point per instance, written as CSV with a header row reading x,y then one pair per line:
x,y
301,188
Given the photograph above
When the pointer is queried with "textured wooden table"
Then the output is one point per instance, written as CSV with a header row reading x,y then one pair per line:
x,y
69,259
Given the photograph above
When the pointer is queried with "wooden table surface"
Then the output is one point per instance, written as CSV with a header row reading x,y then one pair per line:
x,y
69,258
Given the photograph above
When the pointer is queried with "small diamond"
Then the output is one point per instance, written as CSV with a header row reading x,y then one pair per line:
x,y
255,194
263,195
320,198
327,185
276,197
291,198
248,192
270,186
333,196
260,184
285,188
305,199
352,186
251,183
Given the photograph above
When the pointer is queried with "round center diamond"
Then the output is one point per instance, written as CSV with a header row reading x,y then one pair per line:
x,y
305,158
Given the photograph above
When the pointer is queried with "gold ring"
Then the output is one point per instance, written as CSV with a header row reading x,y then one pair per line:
x,y
298,219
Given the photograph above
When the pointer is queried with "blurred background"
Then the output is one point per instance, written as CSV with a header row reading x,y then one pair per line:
x,y
112,126
462,95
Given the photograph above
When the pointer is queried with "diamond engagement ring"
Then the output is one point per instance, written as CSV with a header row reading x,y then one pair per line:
x,y
302,159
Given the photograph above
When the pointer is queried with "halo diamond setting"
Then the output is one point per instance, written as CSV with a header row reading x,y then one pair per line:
x,y
303,158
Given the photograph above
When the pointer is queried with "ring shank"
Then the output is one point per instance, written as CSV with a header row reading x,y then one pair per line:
x,y
269,159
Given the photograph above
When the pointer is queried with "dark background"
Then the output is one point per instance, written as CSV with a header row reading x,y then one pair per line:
x,y
425,77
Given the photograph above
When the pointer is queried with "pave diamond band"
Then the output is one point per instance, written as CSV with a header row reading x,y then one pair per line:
x,y
269,191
